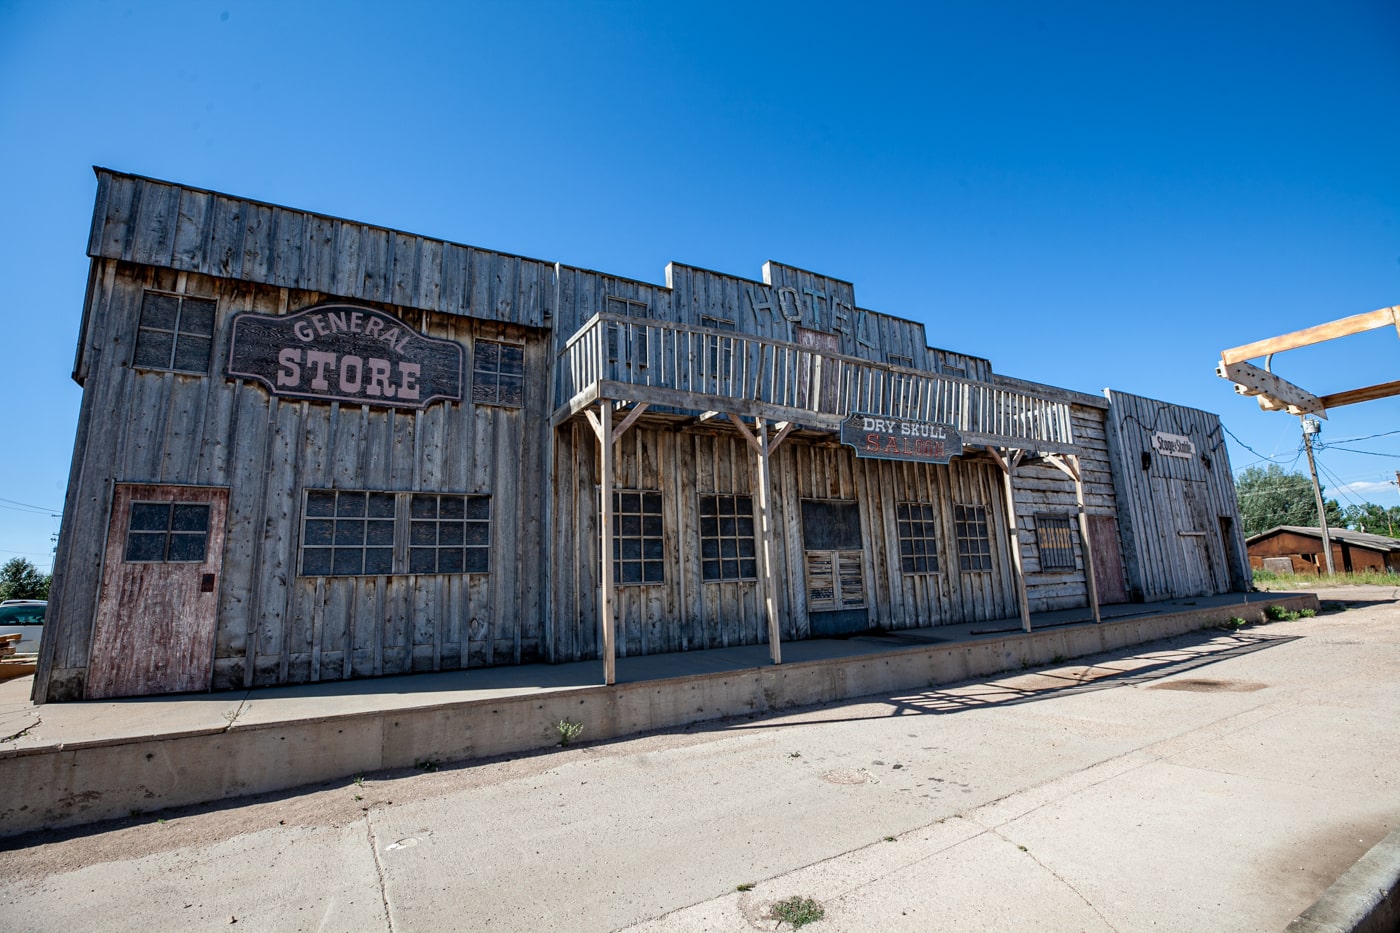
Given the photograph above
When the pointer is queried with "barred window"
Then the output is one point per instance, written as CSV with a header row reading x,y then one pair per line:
x,y
356,532
918,537
726,538
1053,539
176,333
449,534
638,548
167,532
974,542
498,373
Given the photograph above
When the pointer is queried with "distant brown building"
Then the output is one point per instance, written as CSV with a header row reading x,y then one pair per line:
x,y
1301,547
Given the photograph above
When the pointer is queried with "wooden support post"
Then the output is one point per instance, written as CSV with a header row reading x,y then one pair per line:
x,y
1008,460
765,543
606,607
1070,466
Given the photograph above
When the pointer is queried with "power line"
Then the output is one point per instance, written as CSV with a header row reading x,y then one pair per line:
x,y
1251,449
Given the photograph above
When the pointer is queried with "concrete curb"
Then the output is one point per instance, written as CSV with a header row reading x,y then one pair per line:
x,y
106,779
1366,899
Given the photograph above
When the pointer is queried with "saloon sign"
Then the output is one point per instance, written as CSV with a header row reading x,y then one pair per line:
x,y
883,438
345,353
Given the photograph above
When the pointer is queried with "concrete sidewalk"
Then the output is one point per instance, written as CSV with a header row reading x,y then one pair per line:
x,y
96,760
1217,780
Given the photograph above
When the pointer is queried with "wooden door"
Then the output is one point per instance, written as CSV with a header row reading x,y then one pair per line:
x,y
835,567
1109,580
154,631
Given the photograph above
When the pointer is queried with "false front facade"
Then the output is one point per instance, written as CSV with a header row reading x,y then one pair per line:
x,y
311,449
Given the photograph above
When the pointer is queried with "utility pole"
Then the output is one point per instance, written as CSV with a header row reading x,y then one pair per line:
x,y
1312,426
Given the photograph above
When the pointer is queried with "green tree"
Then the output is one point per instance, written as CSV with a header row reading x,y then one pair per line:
x,y
1376,519
1269,496
19,579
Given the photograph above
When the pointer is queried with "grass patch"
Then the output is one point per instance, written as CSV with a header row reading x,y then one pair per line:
x,y
1267,579
797,911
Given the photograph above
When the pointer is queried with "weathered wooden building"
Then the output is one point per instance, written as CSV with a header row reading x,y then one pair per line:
x,y
311,449
1298,549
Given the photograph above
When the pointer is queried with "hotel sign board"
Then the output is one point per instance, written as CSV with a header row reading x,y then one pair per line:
x,y
880,437
345,353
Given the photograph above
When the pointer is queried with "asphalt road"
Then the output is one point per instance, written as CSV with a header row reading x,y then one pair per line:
x,y
1214,782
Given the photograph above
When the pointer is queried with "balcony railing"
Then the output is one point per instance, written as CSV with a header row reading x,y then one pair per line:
x,y
702,369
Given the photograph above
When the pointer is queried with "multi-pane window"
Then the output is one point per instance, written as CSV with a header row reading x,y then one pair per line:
x,y
449,534
353,532
726,538
918,537
176,333
638,548
1052,537
348,533
167,532
974,542
498,373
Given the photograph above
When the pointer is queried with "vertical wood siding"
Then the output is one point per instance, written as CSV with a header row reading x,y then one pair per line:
x,y
275,626
686,613
1169,513
157,223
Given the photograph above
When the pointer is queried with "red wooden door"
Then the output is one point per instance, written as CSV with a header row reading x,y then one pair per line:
x,y
154,631
1109,582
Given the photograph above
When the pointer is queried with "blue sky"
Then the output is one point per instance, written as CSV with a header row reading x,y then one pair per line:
x,y
1089,194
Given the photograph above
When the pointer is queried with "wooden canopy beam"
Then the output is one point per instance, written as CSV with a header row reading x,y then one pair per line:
x,y
1344,327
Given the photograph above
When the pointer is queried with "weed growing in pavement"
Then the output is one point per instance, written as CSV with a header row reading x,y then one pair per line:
x,y
568,730
427,765
889,839
1058,659
746,886
1280,614
1236,623
795,755
359,780
797,911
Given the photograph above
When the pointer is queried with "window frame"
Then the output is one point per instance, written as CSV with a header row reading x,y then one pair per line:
x,y
712,531
1047,525
488,381
397,543
169,533
920,547
621,542
963,525
176,331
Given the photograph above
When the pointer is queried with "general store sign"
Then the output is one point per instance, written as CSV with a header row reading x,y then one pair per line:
x,y
883,438
1173,445
345,353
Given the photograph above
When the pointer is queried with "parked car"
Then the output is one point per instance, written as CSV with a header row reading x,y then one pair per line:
x,y
25,617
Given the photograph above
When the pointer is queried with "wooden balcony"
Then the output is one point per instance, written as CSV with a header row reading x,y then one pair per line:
x,y
698,369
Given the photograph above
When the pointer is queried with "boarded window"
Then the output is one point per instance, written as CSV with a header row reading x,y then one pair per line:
x,y
176,333
1052,538
498,374
835,580
167,532
638,547
449,534
974,543
356,532
726,538
918,537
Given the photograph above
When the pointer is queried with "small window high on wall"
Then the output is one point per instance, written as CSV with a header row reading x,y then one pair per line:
x,y
498,374
176,333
